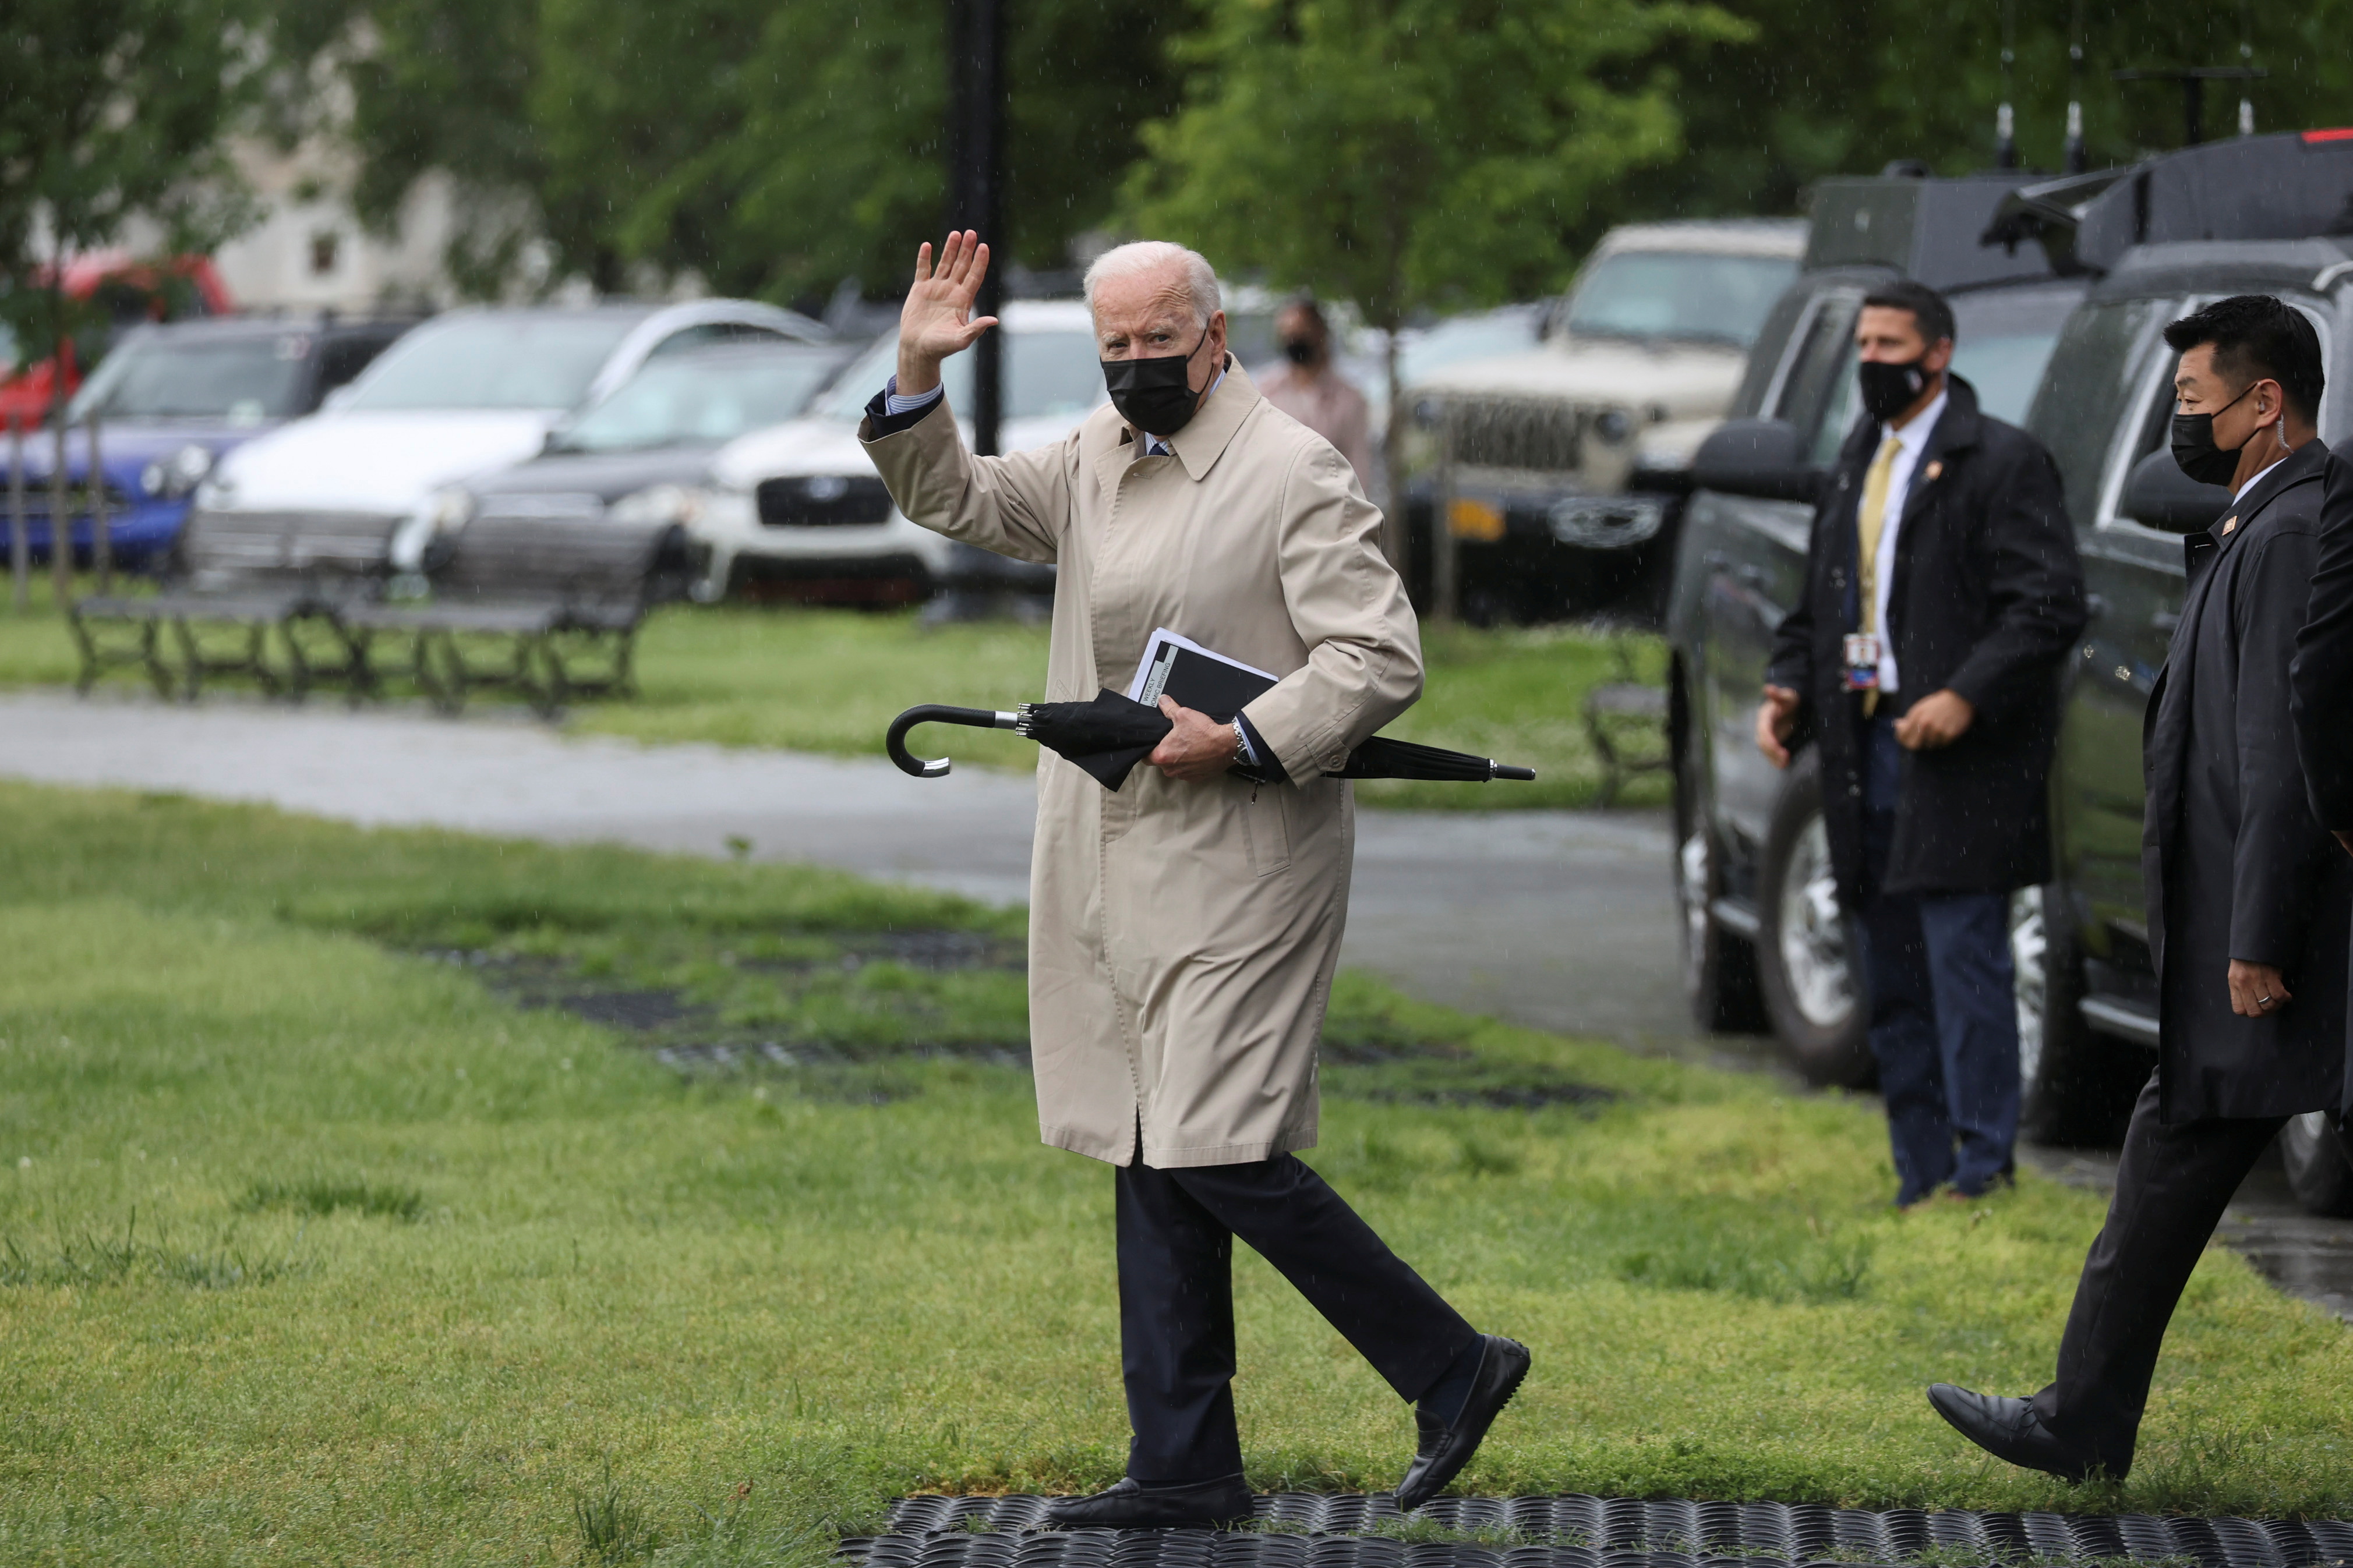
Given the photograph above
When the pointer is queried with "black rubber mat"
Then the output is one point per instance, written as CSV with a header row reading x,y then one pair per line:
x,y
1301,1530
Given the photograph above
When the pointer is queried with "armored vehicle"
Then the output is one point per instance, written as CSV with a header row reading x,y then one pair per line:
x,y
2059,317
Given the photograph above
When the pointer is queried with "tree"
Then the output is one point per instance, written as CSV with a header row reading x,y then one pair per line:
x,y
112,109
1407,155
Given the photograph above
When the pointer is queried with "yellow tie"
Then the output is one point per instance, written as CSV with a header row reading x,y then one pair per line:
x,y
1869,520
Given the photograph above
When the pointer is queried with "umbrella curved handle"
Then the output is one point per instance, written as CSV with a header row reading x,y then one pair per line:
x,y
895,742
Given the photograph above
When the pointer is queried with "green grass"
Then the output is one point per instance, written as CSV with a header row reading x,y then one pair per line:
x,y
315,1249
832,680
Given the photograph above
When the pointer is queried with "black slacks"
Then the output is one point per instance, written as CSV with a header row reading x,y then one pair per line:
x,y
2172,1185
1176,1229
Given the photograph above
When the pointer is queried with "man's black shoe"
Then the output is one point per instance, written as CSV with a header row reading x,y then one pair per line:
x,y
1194,1505
1446,1448
2009,1429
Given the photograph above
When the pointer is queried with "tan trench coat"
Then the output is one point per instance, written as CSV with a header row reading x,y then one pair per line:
x,y
1182,936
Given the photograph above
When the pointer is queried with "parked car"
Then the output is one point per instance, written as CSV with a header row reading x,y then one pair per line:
x,y
798,511
643,452
2147,244
471,391
1765,943
1560,467
120,293
169,401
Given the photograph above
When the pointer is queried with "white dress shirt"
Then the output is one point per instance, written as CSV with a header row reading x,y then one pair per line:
x,y
2240,493
1911,441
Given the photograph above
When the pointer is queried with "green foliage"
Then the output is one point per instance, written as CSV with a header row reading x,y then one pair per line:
x,y
111,109
1412,153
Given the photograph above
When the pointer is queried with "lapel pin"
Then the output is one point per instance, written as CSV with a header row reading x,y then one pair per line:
x,y
1935,469
2229,523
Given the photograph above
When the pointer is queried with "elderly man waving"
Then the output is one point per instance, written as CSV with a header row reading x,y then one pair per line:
x,y
1183,929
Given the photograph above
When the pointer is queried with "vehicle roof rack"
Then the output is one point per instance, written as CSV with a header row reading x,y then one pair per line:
x,y
2294,185
1923,227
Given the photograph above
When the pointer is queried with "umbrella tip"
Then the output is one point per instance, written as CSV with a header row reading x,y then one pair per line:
x,y
1505,771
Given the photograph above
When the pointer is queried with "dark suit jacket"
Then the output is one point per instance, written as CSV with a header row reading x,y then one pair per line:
x,y
1987,599
2234,864
2322,676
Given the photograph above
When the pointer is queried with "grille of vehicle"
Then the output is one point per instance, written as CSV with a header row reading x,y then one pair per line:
x,y
541,503
823,500
1515,433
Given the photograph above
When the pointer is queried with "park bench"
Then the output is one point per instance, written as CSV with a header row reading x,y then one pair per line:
x,y
548,589
249,573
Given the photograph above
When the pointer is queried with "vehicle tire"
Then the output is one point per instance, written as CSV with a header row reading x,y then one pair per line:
x,y
2319,1171
1719,969
1805,947
2067,1095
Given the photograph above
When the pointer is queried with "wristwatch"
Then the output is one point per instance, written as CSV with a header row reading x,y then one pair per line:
x,y
1241,743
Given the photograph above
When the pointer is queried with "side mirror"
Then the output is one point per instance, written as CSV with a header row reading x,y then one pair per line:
x,y
2159,495
1756,458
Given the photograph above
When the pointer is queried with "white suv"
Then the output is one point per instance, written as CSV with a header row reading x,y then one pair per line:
x,y
797,510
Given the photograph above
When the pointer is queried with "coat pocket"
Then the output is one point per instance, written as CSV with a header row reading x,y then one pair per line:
x,y
1266,828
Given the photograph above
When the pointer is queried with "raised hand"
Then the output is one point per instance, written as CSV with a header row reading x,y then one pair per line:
x,y
937,320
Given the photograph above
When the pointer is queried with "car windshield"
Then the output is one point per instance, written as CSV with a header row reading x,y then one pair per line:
x,y
705,398
1679,294
1046,373
239,381
493,362
1481,335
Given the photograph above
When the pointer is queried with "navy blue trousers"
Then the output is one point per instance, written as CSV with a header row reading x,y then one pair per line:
x,y
1176,1230
1944,1011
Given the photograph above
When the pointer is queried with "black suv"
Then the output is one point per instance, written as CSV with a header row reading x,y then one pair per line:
x,y
2141,246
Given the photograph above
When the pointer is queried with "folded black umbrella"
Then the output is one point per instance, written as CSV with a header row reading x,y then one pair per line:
x,y
1110,734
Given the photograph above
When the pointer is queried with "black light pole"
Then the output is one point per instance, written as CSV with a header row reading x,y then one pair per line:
x,y
976,186
2193,82
2071,158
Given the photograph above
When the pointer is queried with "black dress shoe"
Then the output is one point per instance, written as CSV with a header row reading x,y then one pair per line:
x,y
2011,1429
1445,1448
1193,1504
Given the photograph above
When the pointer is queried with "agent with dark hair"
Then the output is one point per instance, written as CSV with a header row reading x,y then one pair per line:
x,y
2322,675
2249,899
1942,590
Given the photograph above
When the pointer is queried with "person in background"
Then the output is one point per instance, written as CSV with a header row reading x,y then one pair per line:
x,y
1942,590
2250,901
1305,386
2322,676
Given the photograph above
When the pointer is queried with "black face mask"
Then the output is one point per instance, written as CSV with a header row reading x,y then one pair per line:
x,y
1889,389
2194,450
1153,394
1299,351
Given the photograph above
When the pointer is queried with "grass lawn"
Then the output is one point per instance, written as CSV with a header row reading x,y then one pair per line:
x,y
831,681
315,1245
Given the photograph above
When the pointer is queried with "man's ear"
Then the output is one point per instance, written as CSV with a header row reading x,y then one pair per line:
x,y
1940,357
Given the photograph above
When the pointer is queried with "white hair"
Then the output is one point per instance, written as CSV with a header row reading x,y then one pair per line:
x,y
1152,256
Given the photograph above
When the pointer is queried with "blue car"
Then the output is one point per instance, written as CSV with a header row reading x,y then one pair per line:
x,y
170,400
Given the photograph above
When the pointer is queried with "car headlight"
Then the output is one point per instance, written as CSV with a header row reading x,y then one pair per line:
x,y
177,474
658,503
444,512
1612,425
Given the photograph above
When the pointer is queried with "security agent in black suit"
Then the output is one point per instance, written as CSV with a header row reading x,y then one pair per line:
x,y
2322,676
2249,898
1941,592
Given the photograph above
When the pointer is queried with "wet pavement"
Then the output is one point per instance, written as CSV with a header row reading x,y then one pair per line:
x,y
1560,919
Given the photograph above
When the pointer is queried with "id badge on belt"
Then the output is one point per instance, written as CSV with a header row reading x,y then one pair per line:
x,y
1861,661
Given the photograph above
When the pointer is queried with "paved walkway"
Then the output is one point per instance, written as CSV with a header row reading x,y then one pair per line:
x,y
1557,919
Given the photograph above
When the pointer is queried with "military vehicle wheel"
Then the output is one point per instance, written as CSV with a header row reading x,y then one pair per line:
x,y
2317,1168
1719,969
1804,948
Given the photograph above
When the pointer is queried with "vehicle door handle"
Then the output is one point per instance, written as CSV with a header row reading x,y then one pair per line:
x,y
2165,621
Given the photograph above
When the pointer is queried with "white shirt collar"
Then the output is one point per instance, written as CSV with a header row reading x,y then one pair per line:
x,y
1915,430
2251,483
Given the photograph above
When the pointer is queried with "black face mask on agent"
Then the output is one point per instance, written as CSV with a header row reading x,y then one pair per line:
x,y
1889,389
1299,351
2194,450
1156,396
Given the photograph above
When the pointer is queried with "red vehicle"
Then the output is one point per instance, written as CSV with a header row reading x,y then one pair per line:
x,y
124,292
